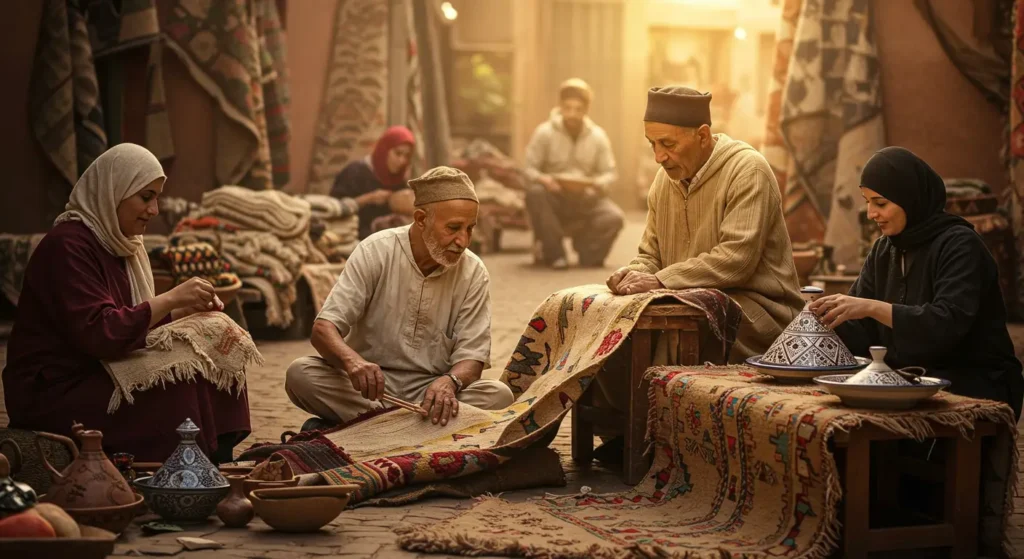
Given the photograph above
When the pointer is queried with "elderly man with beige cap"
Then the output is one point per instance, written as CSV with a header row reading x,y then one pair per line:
x,y
410,316
571,168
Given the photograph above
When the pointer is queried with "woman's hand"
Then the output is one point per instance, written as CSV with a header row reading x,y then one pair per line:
x,y
196,295
837,309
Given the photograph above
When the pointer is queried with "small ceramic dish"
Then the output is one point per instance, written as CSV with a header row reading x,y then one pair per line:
x,y
882,396
297,514
792,374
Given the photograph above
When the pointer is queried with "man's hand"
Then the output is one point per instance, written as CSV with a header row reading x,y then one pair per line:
x,y
616,278
440,402
638,282
837,309
367,378
550,183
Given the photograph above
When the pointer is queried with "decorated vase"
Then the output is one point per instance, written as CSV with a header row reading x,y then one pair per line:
x,y
807,342
188,467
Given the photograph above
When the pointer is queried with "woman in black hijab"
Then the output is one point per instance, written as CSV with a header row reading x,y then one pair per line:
x,y
929,288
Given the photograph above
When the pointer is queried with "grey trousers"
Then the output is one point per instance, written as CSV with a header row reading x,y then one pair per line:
x,y
592,223
315,386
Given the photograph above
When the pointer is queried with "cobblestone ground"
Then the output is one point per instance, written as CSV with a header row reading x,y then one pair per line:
x,y
517,287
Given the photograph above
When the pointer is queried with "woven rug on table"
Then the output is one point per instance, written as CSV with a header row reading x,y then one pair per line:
x,y
742,468
571,335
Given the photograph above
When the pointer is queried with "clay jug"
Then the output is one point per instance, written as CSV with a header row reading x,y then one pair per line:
x,y
235,511
91,480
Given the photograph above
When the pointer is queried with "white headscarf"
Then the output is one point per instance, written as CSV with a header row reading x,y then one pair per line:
x,y
119,173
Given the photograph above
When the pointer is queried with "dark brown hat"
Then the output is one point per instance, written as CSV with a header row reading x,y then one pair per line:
x,y
678,106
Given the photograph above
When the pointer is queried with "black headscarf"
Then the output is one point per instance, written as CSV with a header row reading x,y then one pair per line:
x,y
906,180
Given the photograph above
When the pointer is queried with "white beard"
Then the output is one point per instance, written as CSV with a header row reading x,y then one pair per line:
x,y
442,255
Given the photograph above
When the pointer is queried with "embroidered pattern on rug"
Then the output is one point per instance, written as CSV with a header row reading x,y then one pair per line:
x,y
207,344
571,335
741,468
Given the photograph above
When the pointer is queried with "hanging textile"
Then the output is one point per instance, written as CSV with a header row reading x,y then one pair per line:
x,y
414,95
223,45
436,140
977,58
832,115
114,28
353,112
64,108
1017,141
276,93
803,222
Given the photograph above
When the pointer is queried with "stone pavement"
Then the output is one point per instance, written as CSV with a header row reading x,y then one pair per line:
x,y
517,288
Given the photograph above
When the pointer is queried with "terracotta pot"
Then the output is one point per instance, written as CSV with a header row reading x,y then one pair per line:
x,y
91,480
235,511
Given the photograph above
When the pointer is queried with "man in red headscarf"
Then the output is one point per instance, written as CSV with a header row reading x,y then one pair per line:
x,y
377,182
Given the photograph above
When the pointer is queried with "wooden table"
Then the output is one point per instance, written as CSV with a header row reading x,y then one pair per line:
x,y
664,317
961,476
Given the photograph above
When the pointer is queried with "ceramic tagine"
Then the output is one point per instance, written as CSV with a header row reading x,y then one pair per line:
x,y
91,480
878,372
188,467
878,386
807,342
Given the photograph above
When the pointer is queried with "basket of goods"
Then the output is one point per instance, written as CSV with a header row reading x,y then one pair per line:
x,y
878,386
29,528
806,349
195,260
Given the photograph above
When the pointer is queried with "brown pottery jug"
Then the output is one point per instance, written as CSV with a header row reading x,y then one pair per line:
x,y
235,511
91,480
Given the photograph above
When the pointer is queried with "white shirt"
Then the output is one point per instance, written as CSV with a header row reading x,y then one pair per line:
x,y
394,316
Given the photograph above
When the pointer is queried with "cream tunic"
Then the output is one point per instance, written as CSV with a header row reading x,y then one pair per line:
x,y
726,231
394,316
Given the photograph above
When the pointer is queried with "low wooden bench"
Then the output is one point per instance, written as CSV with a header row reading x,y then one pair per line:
x,y
961,476
656,317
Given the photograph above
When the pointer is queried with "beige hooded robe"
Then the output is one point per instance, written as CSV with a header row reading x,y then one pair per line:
x,y
726,231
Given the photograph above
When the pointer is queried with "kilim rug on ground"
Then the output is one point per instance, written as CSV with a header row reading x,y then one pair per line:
x,y
741,469
571,335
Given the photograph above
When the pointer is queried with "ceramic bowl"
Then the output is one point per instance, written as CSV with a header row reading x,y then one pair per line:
x,y
182,505
882,396
789,374
250,485
112,519
297,514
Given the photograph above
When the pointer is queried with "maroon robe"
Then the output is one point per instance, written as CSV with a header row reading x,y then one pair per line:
x,y
74,310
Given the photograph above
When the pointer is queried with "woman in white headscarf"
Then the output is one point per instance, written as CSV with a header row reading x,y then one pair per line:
x,y
87,297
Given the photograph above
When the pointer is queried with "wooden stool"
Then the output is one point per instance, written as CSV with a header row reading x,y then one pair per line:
x,y
657,316
959,527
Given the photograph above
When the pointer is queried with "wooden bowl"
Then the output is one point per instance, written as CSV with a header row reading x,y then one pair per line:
x,y
95,543
574,184
297,514
308,491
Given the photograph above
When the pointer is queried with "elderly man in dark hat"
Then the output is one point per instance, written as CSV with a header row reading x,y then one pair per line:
x,y
714,220
570,165
410,316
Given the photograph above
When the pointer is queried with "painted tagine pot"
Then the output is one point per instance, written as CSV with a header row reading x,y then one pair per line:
x,y
807,342
188,486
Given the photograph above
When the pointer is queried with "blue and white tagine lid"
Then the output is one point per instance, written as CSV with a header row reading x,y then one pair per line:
x,y
188,467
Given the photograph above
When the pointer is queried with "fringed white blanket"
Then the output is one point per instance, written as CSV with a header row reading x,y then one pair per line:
x,y
210,345
272,211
